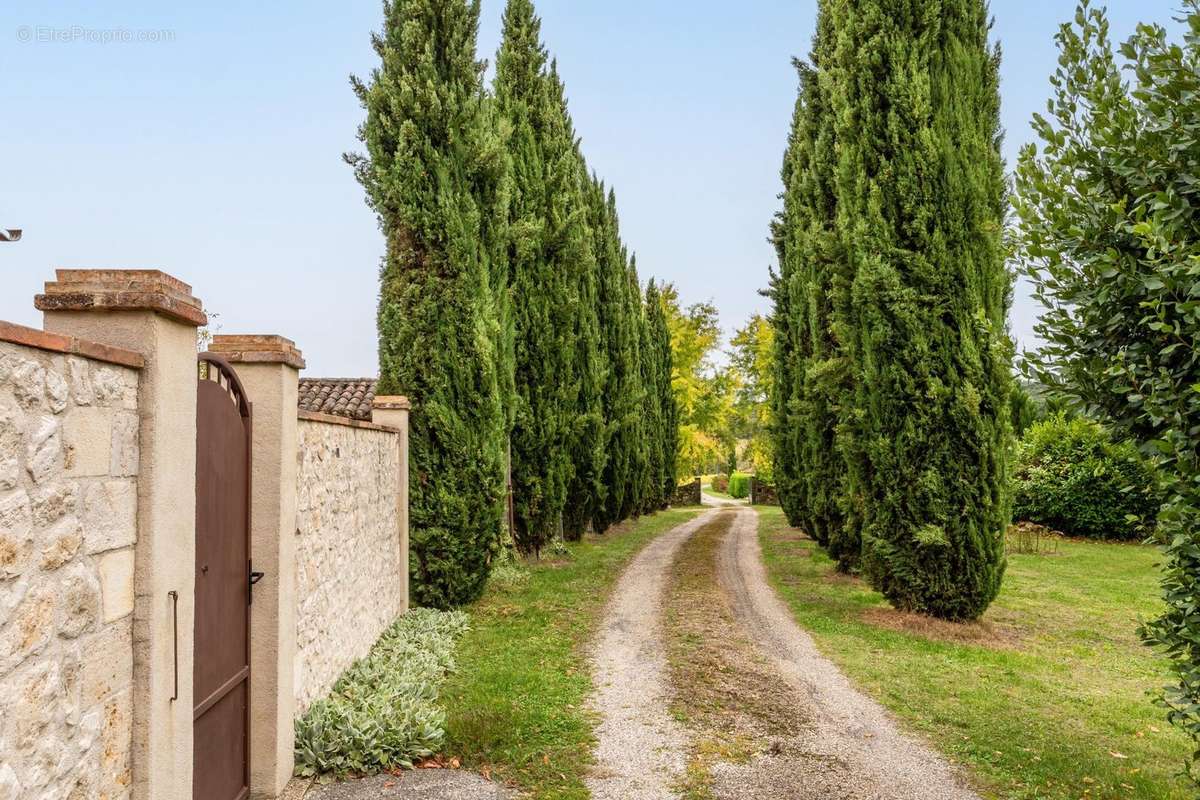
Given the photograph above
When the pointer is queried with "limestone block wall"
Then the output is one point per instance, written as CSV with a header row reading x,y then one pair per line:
x,y
349,568
68,523
762,493
687,494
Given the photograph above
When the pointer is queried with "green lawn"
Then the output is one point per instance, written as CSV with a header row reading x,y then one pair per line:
x,y
515,708
707,489
1046,699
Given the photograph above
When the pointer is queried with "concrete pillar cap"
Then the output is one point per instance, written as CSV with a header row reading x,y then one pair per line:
x,y
122,290
257,349
389,402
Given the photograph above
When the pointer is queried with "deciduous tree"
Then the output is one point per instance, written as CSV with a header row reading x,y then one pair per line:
x,y
1109,235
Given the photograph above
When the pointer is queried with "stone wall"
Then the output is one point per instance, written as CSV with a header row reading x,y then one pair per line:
x,y
349,568
68,523
687,494
762,493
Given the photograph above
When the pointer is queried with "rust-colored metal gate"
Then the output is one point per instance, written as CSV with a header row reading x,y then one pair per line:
x,y
221,666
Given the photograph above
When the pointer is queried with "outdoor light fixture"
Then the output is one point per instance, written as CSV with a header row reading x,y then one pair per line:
x,y
10,234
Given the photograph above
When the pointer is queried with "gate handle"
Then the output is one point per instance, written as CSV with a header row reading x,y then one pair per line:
x,y
255,577
174,595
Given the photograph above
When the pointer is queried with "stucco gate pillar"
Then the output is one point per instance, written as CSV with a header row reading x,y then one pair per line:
x,y
269,367
155,315
392,411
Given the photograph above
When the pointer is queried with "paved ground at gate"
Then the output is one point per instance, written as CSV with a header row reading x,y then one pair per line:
x,y
421,784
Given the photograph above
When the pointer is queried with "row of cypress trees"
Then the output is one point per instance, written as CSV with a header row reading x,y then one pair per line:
x,y
510,311
892,431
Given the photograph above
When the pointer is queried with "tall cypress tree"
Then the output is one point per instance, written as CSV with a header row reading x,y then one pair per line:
x,y
640,424
810,369
824,277
618,342
433,172
586,490
668,401
783,311
921,202
664,443
549,250
649,477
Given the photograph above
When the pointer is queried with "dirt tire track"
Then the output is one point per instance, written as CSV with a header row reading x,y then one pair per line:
x,y
860,752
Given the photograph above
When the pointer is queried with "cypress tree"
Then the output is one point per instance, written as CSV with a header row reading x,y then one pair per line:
x,y
612,290
810,373
434,173
650,497
586,490
783,422
548,252
640,424
826,383
670,404
921,202
665,443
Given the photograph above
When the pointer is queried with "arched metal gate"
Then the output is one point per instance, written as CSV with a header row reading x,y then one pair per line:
x,y
221,667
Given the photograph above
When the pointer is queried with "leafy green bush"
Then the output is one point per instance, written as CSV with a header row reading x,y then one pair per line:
x,y
383,712
1108,234
739,485
1072,476
720,483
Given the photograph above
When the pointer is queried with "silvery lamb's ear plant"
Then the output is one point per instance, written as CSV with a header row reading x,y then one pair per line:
x,y
383,713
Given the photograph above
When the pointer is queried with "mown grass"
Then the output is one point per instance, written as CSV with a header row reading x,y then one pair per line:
x,y
515,707
707,489
1046,699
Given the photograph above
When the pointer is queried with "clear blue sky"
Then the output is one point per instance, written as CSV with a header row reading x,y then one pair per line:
x,y
214,153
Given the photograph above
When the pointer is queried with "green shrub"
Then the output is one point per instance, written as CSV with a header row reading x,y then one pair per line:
x,y
1108,232
739,485
383,712
720,483
1072,476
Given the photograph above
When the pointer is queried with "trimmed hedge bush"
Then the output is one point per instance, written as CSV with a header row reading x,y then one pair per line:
x,y
720,483
739,485
1072,476
383,713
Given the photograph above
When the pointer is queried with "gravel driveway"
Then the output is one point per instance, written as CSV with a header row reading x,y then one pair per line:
x,y
640,750
854,748
849,748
